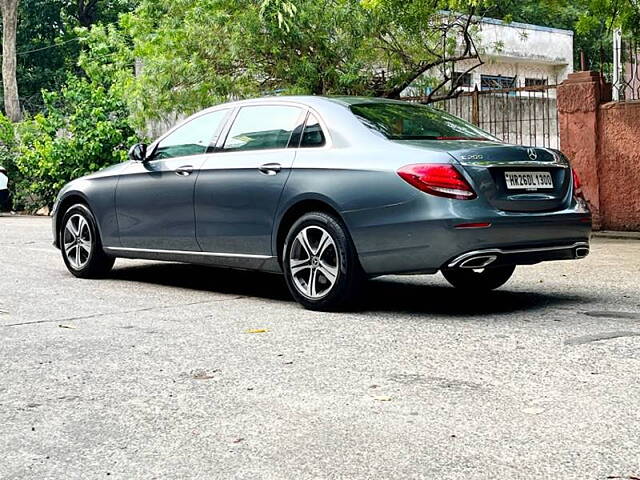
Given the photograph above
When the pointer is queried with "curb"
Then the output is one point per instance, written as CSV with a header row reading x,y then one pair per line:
x,y
617,235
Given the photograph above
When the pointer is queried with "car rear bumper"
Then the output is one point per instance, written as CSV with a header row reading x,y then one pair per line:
x,y
496,257
413,239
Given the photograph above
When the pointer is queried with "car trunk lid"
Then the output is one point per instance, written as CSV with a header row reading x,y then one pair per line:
x,y
510,177
520,179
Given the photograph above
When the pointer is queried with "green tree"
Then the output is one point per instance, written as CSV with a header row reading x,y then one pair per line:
x,y
182,55
47,43
84,128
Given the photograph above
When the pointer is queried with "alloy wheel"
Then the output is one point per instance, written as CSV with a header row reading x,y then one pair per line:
x,y
77,241
313,262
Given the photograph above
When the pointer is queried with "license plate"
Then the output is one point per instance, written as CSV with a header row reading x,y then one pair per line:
x,y
528,180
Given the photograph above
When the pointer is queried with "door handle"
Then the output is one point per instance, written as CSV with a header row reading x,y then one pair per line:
x,y
270,168
184,171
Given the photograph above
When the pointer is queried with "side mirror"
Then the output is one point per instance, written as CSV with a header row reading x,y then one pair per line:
x,y
138,153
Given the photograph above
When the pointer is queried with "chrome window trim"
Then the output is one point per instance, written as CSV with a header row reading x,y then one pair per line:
x,y
522,163
187,252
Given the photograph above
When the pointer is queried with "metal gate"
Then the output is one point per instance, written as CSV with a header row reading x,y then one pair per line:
x,y
518,115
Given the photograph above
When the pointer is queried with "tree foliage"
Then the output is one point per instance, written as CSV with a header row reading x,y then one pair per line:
x,y
90,69
48,49
192,53
83,128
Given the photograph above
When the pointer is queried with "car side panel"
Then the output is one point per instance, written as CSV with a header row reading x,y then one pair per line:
x,y
336,178
398,229
99,194
235,202
155,205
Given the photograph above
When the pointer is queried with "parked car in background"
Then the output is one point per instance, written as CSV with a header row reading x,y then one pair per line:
x,y
4,189
328,191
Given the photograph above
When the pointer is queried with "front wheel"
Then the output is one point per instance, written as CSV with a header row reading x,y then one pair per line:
x,y
320,263
81,246
488,278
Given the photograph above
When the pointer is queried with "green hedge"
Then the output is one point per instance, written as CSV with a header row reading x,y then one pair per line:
x,y
83,128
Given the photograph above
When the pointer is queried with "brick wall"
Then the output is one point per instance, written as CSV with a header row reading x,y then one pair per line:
x,y
602,140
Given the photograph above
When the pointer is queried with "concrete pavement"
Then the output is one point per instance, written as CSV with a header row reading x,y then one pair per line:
x,y
151,373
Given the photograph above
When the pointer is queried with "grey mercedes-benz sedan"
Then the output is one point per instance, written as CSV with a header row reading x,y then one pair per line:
x,y
328,191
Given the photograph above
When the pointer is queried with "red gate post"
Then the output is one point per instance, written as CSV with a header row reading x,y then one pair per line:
x,y
579,98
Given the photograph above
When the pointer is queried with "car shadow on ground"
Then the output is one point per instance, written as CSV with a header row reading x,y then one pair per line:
x,y
410,295
209,279
395,294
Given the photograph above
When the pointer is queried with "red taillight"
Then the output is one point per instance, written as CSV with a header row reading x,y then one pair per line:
x,y
438,179
577,185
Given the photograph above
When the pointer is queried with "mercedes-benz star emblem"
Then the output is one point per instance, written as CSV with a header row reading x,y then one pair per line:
x,y
532,153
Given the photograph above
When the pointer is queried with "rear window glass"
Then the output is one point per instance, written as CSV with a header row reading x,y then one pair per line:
x,y
415,122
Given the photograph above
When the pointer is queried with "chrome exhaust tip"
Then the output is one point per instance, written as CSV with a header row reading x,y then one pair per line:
x,y
481,261
582,252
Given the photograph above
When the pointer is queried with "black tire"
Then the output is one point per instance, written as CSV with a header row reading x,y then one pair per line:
x,y
340,257
94,263
488,278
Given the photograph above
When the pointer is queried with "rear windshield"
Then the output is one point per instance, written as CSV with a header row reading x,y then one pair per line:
x,y
415,122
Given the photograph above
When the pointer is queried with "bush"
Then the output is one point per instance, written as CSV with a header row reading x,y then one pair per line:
x,y
83,128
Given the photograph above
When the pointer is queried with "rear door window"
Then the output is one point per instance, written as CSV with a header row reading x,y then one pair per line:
x,y
262,127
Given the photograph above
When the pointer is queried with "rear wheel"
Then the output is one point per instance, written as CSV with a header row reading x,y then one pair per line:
x,y
81,246
320,263
488,278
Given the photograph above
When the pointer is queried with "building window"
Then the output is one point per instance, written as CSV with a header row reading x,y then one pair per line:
x,y
460,79
535,82
496,82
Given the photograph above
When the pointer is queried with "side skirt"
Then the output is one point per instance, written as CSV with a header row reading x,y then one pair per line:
x,y
263,263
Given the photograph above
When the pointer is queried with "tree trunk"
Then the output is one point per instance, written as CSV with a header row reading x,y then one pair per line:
x,y
87,12
9,80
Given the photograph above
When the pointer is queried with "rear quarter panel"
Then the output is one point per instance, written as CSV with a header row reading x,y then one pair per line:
x,y
362,185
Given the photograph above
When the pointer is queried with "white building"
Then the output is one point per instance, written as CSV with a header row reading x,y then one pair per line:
x,y
515,55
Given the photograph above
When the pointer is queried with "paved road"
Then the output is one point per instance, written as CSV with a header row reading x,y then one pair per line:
x,y
152,374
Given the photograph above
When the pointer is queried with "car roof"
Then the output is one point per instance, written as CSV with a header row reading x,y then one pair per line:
x,y
359,100
314,100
